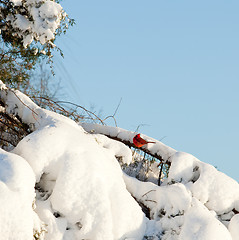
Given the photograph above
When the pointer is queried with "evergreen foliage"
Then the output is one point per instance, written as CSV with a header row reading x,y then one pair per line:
x,y
28,31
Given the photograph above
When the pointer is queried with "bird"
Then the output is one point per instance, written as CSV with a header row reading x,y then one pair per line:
x,y
139,142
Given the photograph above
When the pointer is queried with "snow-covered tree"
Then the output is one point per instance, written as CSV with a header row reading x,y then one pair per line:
x,y
28,30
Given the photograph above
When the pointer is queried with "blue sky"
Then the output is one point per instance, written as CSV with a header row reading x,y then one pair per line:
x,y
173,63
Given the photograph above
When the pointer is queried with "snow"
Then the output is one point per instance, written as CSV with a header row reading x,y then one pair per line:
x,y
16,2
97,206
17,195
201,224
234,227
116,147
213,188
64,181
22,22
158,148
40,24
55,226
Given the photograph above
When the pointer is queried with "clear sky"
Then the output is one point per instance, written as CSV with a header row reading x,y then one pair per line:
x,y
175,64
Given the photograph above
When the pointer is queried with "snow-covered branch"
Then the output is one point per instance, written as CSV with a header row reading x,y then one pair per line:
x,y
158,150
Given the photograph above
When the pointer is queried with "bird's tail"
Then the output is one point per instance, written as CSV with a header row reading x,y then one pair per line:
x,y
151,142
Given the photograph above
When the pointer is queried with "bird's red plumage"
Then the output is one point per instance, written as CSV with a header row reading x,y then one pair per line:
x,y
139,142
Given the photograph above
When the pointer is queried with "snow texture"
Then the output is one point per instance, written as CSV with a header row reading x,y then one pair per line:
x,y
63,181
234,227
41,24
17,182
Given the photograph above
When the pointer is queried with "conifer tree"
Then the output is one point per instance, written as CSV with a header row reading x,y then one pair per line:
x,y
28,29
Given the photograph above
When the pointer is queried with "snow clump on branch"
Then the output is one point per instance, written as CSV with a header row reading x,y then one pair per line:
x,y
37,20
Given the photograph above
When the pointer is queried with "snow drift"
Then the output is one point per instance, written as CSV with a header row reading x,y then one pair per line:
x,y
63,181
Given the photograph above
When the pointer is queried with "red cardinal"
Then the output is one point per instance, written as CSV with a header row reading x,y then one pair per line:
x,y
139,142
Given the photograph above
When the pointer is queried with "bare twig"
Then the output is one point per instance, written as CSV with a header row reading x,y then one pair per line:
x,y
153,190
148,200
22,101
9,126
162,138
140,125
10,142
110,117
117,107
78,106
160,174
113,116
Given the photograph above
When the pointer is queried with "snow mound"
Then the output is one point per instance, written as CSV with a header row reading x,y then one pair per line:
x,y
213,188
85,187
201,224
17,197
234,227
65,182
